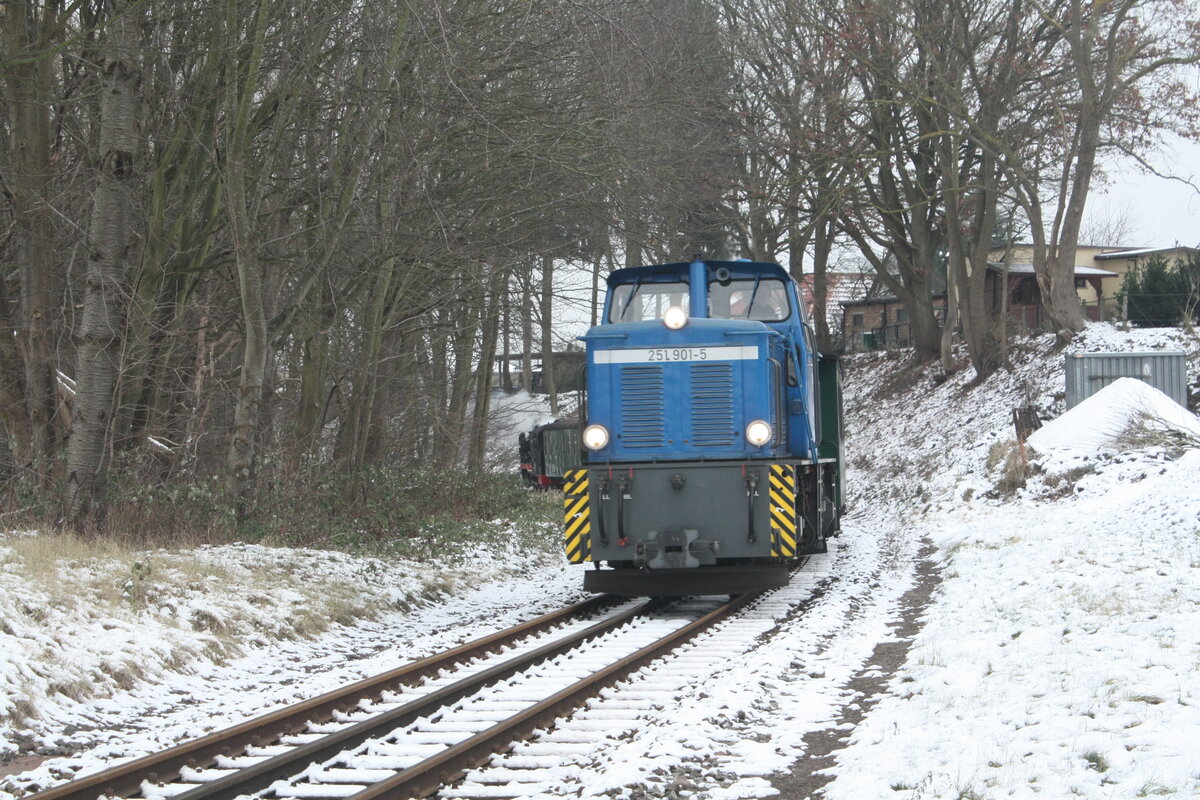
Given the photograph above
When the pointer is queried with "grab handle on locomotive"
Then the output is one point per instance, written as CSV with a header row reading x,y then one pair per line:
x,y
622,496
751,493
604,484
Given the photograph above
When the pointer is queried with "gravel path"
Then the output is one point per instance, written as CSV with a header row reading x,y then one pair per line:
x,y
815,768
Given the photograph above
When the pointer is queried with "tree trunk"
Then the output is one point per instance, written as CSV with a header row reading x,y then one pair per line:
x,y
926,334
184,217
12,393
594,299
914,289
387,373
483,372
102,328
633,248
1005,294
464,324
367,372
527,330
310,413
822,246
243,442
547,311
505,344
28,83
437,393
949,365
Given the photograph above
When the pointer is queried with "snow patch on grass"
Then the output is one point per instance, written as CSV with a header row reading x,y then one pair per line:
x,y
85,618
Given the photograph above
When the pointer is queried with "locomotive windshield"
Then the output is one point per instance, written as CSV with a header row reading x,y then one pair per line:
x,y
634,302
765,300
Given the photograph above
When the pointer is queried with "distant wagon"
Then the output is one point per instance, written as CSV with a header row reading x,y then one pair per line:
x,y
548,452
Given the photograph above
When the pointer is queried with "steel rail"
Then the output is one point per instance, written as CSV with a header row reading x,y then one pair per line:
x,y
125,780
261,775
427,777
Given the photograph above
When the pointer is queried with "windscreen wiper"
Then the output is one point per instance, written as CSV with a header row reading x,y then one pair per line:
x,y
753,294
636,285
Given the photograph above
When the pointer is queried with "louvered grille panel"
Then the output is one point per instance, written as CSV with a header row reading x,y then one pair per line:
x,y
642,406
712,405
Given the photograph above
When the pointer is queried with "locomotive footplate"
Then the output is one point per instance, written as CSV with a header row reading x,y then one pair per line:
x,y
720,579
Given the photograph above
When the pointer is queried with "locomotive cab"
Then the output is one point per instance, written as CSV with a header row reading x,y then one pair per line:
x,y
712,452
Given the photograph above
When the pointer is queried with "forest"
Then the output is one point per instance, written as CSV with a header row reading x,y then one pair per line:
x,y
258,256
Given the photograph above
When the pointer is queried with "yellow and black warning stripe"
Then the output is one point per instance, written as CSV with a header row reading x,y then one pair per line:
x,y
577,521
783,510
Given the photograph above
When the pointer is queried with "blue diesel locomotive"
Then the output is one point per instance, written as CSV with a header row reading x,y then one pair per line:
x,y
712,433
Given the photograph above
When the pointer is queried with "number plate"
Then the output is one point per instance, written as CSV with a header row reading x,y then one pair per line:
x,y
663,355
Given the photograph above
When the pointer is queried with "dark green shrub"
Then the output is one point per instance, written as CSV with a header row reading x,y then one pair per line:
x,y
1158,295
419,513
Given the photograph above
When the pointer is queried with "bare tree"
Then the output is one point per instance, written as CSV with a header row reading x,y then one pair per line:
x,y
546,307
797,157
31,33
101,332
984,58
1116,83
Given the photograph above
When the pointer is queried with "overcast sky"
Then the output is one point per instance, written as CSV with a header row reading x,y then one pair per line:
x,y
1160,212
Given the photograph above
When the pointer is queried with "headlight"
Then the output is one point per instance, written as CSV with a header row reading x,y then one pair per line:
x,y
595,437
758,433
675,318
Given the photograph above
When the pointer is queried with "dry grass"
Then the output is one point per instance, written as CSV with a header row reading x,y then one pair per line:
x,y
1008,458
1148,430
125,675
23,711
106,571
997,453
230,602
43,555
76,690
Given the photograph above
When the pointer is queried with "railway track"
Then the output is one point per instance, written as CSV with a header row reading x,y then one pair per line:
x,y
419,728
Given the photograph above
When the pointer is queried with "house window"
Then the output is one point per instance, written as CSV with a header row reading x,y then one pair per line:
x,y
1023,294
1081,283
856,320
901,315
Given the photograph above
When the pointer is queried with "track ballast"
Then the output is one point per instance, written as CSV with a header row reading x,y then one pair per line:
x,y
419,729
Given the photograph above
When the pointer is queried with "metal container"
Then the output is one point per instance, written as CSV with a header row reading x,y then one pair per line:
x,y
1088,373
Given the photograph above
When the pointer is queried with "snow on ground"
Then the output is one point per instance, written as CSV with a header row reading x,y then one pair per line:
x,y
723,737
214,692
1057,658
1060,657
1102,420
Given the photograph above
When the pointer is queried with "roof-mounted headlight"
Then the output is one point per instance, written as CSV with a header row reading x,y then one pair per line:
x,y
595,437
675,318
758,432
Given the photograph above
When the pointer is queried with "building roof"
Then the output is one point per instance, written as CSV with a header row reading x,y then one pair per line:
x,y
840,287
870,301
881,301
1143,252
1027,269
1080,246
